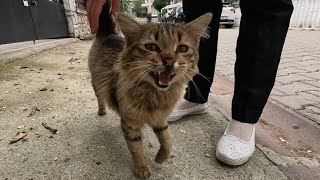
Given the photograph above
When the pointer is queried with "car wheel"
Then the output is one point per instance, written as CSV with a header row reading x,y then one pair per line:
x,y
228,25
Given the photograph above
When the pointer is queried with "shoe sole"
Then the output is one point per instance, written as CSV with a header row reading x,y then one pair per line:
x,y
226,160
199,112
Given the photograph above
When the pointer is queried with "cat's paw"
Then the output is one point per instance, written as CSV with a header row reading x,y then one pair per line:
x,y
161,157
101,112
142,171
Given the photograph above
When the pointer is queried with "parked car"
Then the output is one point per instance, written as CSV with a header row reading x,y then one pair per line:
x,y
171,16
179,16
169,12
228,16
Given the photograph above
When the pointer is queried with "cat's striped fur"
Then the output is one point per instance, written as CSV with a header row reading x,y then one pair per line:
x,y
142,76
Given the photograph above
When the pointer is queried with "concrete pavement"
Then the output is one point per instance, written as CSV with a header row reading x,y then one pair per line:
x,y
57,83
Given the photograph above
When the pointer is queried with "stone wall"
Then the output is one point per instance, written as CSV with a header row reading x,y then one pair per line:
x,y
78,23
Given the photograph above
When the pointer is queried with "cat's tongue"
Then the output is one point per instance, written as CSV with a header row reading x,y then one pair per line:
x,y
164,78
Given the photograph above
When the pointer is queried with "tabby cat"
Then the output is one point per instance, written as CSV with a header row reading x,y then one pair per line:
x,y
141,76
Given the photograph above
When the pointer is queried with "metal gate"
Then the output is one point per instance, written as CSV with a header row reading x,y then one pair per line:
x,y
23,20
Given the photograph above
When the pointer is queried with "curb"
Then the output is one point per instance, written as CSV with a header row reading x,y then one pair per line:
x,y
20,53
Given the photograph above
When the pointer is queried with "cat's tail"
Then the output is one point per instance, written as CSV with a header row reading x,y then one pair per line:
x,y
107,21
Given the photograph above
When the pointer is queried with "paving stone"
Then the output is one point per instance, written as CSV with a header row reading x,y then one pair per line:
x,y
298,77
314,83
293,101
314,75
291,70
316,93
307,62
312,68
275,92
292,78
295,87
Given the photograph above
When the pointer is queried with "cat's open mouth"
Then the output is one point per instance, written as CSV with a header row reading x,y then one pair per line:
x,y
162,79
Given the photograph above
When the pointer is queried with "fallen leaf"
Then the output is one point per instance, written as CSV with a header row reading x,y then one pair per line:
x,y
34,109
52,130
283,140
20,135
183,131
295,127
292,152
43,89
20,127
102,146
207,155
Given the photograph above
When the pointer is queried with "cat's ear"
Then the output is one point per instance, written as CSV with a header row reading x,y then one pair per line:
x,y
129,27
199,27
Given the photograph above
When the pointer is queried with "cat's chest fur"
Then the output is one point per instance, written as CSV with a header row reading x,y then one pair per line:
x,y
147,103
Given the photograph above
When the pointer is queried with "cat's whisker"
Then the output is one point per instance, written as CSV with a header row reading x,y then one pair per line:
x,y
135,62
146,72
200,75
197,88
134,69
135,79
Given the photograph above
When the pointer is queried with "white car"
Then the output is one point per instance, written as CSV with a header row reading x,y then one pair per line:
x,y
228,16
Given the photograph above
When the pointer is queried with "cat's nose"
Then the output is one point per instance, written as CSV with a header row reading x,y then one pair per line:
x,y
167,59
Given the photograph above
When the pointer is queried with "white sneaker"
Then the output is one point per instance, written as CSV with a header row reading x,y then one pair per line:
x,y
234,151
178,113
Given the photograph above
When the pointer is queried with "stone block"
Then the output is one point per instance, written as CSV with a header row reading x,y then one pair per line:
x,y
292,78
295,87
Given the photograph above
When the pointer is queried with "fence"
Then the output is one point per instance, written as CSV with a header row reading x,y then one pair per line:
x,y
306,14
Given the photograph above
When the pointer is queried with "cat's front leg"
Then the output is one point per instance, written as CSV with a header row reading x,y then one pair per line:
x,y
133,134
164,137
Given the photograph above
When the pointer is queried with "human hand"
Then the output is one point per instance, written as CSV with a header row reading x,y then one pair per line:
x,y
94,8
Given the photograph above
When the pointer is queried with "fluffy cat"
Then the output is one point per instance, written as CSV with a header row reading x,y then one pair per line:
x,y
141,76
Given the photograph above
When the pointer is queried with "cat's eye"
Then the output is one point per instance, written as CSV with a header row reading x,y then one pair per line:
x,y
152,47
182,48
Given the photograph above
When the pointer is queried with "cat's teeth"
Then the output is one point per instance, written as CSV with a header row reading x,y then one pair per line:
x,y
158,73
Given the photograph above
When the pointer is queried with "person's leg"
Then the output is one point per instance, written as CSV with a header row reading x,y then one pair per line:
x,y
197,92
262,34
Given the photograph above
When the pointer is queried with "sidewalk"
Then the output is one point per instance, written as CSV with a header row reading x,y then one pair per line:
x,y
57,83
54,87
297,84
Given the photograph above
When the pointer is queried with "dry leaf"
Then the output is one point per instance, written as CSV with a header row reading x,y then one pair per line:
x,y
52,130
34,109
283,140
20,127
20,135
43,89
183,131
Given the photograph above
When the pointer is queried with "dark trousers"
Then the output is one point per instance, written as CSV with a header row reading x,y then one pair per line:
x,y
262,33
